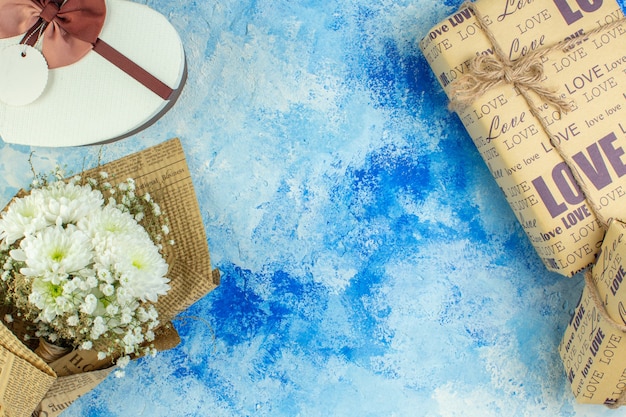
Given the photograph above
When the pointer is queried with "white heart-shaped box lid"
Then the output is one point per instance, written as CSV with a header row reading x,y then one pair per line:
x,y
92,100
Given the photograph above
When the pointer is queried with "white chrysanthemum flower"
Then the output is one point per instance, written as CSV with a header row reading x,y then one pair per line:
x,y
141,269
109,222
23,217
67,203
51,299
53,253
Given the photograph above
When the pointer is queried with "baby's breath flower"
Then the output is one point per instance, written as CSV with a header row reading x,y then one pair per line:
x,y
123,362
89,304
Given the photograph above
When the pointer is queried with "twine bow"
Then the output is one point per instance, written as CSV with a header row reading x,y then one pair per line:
x,y
487,71
68,30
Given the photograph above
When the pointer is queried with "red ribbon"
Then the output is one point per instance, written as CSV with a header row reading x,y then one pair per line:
x,y
70,30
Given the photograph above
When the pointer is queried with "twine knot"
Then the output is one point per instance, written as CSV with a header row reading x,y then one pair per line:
x,y
489,71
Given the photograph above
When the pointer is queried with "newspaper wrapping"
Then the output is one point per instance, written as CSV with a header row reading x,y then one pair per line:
x,y
29,386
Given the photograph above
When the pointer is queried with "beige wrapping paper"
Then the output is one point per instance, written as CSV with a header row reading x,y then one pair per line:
x,y
541,158
593,348
24,377
27,387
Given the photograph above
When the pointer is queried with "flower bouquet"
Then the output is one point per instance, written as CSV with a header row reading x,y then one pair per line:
x,y
82,260
92,271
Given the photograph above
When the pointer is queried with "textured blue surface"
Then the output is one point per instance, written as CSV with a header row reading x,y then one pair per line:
x,y
371,266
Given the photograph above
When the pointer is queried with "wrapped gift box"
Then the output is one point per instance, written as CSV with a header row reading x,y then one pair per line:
x,y
563,174
593,348
131,75
26,381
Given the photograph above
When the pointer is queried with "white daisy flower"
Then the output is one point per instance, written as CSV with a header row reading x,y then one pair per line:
x,y
141,268
50,299
67,203
23,217
53,253
109,222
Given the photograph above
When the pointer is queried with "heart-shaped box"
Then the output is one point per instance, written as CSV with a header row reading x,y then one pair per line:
x,y
95,100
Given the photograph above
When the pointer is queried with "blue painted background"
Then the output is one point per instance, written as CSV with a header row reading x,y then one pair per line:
x,y
370,265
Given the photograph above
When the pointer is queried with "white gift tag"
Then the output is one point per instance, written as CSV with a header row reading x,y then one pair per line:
x,y
23,75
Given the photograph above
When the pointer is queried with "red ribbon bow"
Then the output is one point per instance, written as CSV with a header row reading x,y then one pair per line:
x,y
70,30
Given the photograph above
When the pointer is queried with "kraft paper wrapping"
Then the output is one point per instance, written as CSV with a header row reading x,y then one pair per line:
x,y
541,162
162,171
593,348
68,389
24,377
